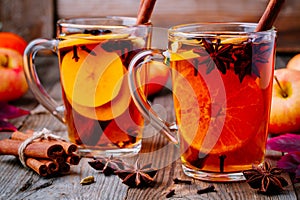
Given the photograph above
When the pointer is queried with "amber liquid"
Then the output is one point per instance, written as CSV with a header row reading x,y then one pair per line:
x,y
222,105
88,125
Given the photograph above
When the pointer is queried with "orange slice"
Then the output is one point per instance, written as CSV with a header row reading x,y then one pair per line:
x,y
224,124
111,109
84,39
89,80
125,130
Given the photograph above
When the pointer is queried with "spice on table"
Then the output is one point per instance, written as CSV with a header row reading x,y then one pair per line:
x,y
210,188
265,178
108,165
136,176
44,153
171,193
178,181
87,180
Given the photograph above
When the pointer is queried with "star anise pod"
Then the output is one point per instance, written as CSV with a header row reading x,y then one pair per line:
x,y
265,178
214,55
108,165
136,176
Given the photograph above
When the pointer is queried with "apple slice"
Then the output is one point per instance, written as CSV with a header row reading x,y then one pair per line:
x,y
111,109
88,80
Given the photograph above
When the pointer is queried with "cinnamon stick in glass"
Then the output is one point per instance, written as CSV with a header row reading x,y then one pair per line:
x,y
270,14
145,11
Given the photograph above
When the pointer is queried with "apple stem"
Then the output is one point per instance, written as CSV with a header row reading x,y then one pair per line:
x,y
283,92
4,61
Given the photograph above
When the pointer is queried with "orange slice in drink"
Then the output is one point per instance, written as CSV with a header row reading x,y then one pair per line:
x,y
125,130
89,78
224,124
85,39
111,109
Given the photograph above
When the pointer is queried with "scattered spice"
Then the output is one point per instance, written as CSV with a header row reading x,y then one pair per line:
x,y
222,162
97,31
171,193
87,180
265,178
178,181
44,185
210,188
27,185
108,165
136,176
75,54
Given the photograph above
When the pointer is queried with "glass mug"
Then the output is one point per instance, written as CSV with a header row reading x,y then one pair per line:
x,y
222,76
94,54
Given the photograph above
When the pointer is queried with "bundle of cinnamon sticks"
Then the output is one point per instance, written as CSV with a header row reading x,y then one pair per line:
x,y
46,157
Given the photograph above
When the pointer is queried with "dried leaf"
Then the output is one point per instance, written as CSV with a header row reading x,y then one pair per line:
x,y
9,112
289,162
6,126
298,173
285,143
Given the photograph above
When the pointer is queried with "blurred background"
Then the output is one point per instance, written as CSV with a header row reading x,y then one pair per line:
x,y
36,18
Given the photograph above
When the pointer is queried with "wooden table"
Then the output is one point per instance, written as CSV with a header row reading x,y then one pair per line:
x,y
156,149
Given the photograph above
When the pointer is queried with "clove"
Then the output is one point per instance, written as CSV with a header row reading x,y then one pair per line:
x,y
208,189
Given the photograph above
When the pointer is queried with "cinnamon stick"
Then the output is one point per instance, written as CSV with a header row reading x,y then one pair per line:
x,y
64,168
270,14
145,11
45,149
52,166
37,166
73,159
68,147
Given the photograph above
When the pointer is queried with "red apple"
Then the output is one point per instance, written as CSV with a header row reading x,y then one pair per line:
x,y
13,83
285,107
294,62
158,76
12,41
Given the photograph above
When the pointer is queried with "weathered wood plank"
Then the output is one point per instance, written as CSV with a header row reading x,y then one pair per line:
x,y
28,18
171,12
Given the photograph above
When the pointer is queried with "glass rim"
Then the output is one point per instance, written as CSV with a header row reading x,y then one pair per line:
x,y
81,22
211,29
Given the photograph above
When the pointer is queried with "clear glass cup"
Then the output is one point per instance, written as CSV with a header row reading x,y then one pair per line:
x,y
94,54
222,76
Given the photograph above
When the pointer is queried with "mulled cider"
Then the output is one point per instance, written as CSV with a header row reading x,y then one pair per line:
x,y
99,112
222,83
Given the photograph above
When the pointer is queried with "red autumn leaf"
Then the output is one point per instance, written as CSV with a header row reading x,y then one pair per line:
x,y
6,126
285,143
9,112
298,173
289,162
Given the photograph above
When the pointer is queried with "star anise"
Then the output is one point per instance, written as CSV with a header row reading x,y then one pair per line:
x,y
265,178
136,176
249,56
108,165
214,55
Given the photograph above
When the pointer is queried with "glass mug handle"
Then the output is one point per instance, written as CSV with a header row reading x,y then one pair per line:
x,y
168,129
33,80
